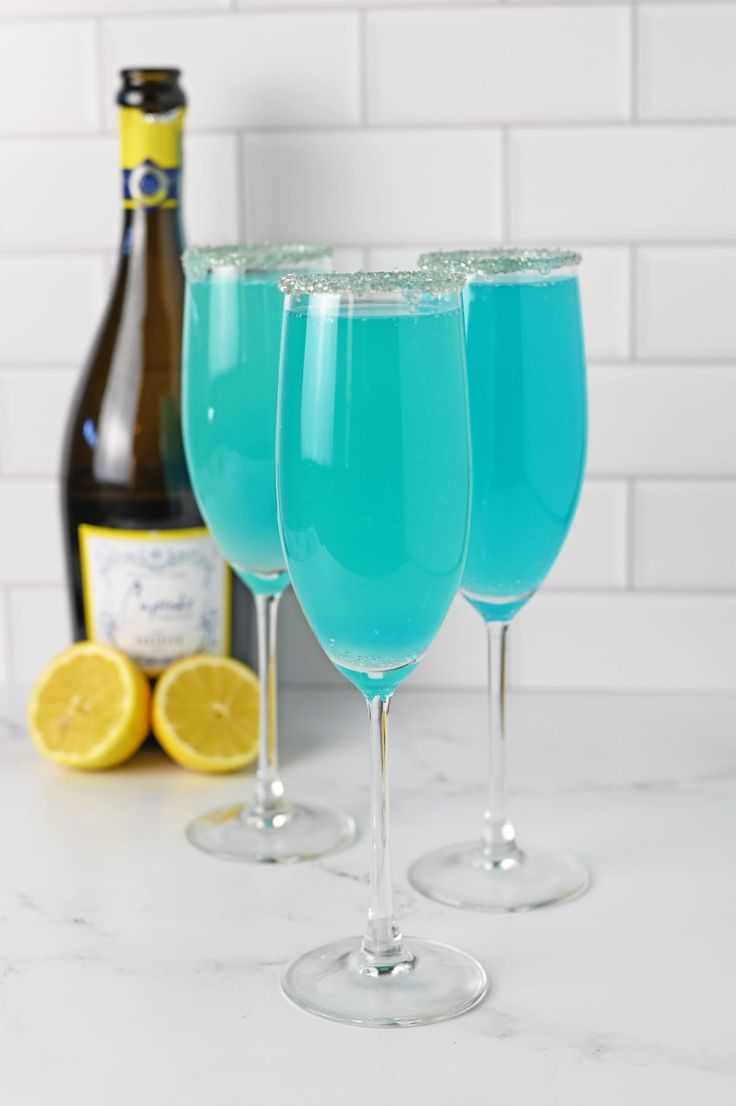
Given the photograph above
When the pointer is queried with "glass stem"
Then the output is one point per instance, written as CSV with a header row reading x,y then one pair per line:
x,y
381,947
499,838
269,788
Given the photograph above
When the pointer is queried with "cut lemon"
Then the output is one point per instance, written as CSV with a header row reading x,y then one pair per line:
x,y
205,713
89,708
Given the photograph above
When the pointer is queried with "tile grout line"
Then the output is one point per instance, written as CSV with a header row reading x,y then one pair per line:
x,y
99,77
633,341
362,69
595,364
679,477
634,62
607,476
263,8
6,634
32,585
102,252
241,188
329,684
542,124
630,574
572,590
505,184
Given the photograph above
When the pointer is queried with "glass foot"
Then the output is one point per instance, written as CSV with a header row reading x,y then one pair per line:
x,y
467,877
431,983
284,836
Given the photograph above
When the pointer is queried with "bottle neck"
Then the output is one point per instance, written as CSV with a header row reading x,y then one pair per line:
x,y
156,232
150,161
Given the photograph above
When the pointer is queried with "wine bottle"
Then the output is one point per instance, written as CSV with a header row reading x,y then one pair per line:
x,y
144,573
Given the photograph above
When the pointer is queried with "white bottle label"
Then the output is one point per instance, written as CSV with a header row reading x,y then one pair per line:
x,y
157,595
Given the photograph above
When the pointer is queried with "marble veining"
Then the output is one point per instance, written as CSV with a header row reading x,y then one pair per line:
x,y
133,969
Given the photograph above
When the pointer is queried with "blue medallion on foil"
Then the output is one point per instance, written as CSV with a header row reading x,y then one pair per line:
x,y
148,185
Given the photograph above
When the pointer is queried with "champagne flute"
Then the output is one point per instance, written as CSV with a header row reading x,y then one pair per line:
x,y
528,416
232,335
373,485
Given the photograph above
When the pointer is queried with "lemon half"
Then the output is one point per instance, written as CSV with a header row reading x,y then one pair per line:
x,y
205,713
89,708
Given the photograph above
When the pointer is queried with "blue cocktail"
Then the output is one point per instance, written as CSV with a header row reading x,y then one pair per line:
x,y
373,483
232,339
528,415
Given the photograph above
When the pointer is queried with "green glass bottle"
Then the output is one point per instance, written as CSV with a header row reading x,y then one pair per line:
x,y
144,573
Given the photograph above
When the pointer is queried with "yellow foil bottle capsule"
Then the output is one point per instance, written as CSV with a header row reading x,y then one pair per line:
x,y
150,156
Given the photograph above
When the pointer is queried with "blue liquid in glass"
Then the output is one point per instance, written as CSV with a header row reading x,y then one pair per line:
x,y
232,337
526,383
373,480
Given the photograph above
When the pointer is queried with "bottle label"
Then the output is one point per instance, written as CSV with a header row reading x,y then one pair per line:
x,y
157,595
150,157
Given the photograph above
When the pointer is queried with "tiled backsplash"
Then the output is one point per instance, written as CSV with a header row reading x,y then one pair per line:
x,y
387,128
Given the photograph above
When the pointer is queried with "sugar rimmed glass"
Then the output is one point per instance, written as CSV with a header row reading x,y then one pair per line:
x,y
528,415
232,336
373,487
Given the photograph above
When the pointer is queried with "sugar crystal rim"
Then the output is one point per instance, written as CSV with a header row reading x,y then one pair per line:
x,y
263,257
498,261
413,282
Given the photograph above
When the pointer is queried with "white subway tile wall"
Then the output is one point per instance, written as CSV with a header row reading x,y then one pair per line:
x,y
686,302
662,421
595,553
388,127
38,628
64,59
260,70
32,402
51,304
632,182
686,61
595,642
4,639
31,219
685,535
33,555
392,184
497,65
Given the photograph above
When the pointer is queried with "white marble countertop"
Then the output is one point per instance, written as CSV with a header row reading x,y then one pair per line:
x,y
136,970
